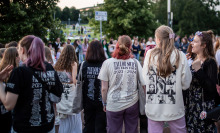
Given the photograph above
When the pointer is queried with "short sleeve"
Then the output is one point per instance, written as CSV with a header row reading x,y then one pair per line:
x,y
141,79
15,81
103,74
58,88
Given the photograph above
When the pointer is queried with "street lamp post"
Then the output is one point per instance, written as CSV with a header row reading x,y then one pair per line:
x,y
69,20
169,13
79,19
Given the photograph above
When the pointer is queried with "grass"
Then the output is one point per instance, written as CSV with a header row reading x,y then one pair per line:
x,y
69,29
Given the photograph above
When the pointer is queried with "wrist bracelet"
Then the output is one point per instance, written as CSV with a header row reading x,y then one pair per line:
x,y
104,104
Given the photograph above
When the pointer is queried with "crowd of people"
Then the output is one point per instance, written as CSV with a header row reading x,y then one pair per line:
x,y
179,78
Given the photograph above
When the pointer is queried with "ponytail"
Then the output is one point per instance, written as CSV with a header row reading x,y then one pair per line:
x,y
35,52
123,48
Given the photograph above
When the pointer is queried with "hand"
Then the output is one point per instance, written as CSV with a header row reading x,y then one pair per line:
x,y
196,65
5,72
104,108
188,56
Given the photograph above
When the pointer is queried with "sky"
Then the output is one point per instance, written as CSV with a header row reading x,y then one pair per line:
x,y
78,3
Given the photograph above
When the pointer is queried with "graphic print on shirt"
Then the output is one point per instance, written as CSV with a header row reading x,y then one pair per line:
x,y
127,69
91,89
161,90
35,119
117,92
131,86
92,73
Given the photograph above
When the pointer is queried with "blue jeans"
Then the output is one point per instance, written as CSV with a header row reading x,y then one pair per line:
x,y
137,56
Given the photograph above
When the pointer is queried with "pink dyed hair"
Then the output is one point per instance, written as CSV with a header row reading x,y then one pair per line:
x,y
35,52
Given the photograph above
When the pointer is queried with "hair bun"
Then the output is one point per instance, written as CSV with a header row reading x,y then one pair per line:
x,y
210,32
123,49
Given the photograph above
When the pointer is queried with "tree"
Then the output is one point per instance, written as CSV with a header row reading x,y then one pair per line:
x,y
56,31
22,17
189,16
65,14
198,15
74,14
58,12
132,18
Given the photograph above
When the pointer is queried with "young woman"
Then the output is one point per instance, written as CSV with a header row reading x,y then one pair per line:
x,y
30,87
202,91
136,48
48,55
94,116
119,88
143,48
184,45
105,47
66,68
112,46
165,71
10,58
217,57
85,45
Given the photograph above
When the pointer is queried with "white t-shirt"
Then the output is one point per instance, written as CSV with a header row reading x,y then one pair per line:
x,y
164,98
151,43
217,56
122,78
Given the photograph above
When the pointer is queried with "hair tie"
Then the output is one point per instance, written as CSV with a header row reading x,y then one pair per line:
x,y
198,33
172,36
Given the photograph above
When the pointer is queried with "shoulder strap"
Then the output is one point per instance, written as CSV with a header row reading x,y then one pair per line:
x,y
80,72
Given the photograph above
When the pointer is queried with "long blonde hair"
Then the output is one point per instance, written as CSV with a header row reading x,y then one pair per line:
x,y
48,55
163,51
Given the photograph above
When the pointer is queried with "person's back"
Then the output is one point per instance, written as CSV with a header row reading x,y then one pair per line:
x,y
119,87
92,99
166,73
34,110
32,89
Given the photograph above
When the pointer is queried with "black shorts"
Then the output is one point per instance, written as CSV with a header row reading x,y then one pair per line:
x,y
142,53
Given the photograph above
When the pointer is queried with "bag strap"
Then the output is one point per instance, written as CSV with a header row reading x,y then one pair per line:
x,y
80,72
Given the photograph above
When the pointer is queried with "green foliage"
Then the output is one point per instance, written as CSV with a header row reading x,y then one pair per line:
x,y
67,13
56,31
74,14
132,18
189,16
23,17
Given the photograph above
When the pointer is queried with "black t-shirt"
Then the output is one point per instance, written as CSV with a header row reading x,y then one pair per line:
x,y
91,84
33,111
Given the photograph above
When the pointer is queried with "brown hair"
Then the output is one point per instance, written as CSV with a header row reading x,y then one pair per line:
x,y
67,59
9,58
11,44
189,51
2,50
164,51
206,38
95,52
217,45
48,55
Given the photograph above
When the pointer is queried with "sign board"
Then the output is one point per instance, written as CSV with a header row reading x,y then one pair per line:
x,y
101,15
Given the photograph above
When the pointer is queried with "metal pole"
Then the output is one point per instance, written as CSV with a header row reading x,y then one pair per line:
x,y
168,12
171,19
101,29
